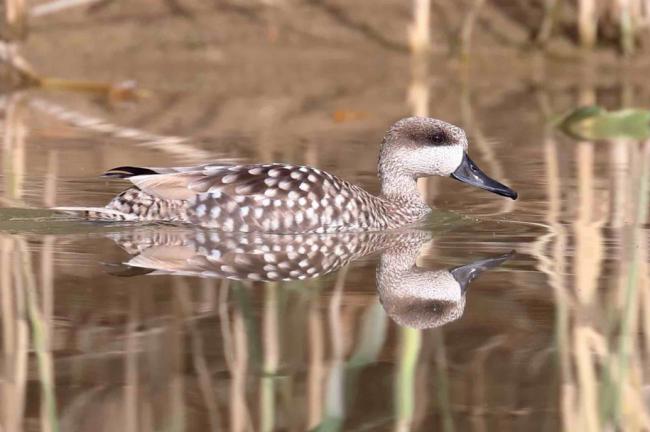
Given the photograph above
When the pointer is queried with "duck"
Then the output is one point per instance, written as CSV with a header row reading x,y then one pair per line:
x,y
292,199
411,296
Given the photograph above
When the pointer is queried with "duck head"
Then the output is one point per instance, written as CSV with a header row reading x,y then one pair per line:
x,y
417,147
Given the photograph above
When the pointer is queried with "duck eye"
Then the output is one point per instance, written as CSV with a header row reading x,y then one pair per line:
x,y
438,138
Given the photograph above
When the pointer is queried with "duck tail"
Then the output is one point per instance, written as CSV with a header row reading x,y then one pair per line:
x,y
97,213
125,172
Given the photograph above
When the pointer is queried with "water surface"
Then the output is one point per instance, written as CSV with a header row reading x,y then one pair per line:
x,y
554,338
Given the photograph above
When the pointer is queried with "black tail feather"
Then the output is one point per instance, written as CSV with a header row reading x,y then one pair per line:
x,y
127,171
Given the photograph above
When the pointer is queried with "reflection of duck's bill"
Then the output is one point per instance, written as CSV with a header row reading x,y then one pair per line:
x,y
468,272
468,172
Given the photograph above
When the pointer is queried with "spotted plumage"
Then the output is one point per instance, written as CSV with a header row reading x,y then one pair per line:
x,y
254,256
290,199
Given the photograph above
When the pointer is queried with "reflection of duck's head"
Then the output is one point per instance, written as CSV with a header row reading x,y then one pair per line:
x,y
437,301
419,298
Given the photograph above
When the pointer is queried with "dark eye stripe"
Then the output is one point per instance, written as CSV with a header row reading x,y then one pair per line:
x,y
432,137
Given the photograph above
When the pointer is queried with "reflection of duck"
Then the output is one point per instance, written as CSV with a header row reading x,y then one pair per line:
x,y
297,199
412,296
420,298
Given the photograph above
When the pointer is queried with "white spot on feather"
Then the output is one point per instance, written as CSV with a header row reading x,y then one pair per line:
x,y
288,220
229,178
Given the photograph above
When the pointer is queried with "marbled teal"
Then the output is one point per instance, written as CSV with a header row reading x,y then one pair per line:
x,y
282,198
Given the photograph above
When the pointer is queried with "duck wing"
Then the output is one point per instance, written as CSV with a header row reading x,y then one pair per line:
x,y
273,197
271,181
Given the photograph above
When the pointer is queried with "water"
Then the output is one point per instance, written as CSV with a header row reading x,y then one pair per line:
x,y
556,337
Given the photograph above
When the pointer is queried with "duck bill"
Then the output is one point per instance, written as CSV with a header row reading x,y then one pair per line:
x,y
471,174
467,273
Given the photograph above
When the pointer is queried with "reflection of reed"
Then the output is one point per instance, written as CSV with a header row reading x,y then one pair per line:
x,y
552,263
598,327
271,358
442,383
335,392
18,286
13,150
206,384
481,143
132,376
410,345
316,364
239,417
22,311
171,144
15,340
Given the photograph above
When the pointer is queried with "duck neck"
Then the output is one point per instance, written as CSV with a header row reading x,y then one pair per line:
x,y
401,188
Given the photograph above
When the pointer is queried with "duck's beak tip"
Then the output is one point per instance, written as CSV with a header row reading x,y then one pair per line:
x,y
468,172
468,272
